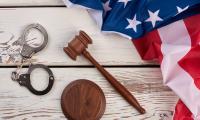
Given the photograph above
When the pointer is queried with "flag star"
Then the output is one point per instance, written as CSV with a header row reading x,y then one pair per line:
x,y
106,6
124,1
133,23
180,10
153,17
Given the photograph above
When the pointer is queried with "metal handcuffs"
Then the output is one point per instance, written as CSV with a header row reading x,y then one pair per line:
x,y
26,53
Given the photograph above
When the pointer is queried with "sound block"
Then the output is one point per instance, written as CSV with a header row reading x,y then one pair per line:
x,y
83,100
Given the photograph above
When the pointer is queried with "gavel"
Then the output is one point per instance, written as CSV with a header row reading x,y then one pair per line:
x,y
78,46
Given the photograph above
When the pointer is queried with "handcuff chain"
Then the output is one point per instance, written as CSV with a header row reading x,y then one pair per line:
x,y
19,67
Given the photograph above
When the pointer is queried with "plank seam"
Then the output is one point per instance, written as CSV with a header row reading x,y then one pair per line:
x,y
90,66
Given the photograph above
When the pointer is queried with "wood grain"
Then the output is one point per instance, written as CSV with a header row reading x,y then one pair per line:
x,y
62,25
145,83
31,3
83,100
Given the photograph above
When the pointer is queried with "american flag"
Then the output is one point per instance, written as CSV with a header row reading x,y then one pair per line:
x,y
166,30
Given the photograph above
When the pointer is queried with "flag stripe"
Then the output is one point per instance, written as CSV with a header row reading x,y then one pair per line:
x,y
149,48
193,27
176,44
190,63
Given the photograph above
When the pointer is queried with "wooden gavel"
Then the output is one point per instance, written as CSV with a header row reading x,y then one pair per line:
x,y
78,46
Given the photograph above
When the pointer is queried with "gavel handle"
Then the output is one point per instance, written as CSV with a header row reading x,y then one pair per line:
x,y
117,85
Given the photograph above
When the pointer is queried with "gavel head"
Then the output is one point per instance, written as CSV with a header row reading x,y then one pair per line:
x,y
78,45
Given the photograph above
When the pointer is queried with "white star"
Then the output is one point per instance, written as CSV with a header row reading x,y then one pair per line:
x,y
180,10
106,6
133,23
153,17
124,1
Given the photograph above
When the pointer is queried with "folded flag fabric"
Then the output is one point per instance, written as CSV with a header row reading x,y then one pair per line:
x,y
133,18
168,31
177,47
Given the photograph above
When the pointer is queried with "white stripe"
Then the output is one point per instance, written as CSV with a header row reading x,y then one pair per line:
x,y
176,43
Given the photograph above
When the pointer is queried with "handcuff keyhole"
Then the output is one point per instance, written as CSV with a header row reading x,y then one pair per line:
x,y
39,79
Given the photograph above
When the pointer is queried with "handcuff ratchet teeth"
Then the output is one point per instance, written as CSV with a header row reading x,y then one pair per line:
x,y
24,79
26,53
27,50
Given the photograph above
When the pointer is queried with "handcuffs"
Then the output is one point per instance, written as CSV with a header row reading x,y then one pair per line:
x,y
26,53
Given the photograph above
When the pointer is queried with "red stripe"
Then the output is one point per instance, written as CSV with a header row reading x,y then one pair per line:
x,y
182,112
193,27
190,63
149,46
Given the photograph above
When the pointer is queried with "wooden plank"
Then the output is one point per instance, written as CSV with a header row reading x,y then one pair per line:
x,y
31,3
146,84
62,24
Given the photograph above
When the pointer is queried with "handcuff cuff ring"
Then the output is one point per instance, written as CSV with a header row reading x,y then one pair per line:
x,y
25,80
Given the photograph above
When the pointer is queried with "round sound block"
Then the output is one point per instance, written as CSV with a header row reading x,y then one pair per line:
x,y
83,100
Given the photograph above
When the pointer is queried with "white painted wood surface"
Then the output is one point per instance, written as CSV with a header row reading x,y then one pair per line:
x,y
17,103
62,25
31,3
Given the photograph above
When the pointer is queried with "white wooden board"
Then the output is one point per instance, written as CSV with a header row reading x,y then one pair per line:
x,y
62,25
31,3
17,103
